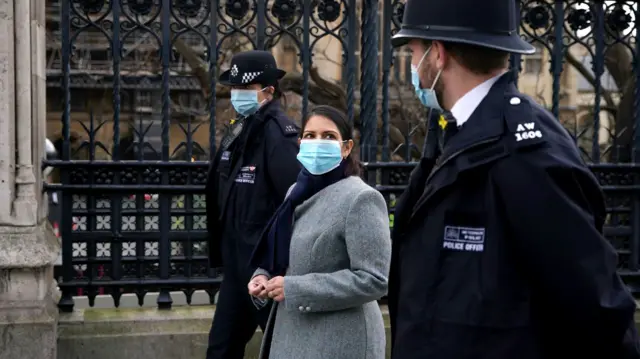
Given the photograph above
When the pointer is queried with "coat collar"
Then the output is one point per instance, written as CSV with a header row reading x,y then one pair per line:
x,y
481,133
254,122
269,109
464,107
485,123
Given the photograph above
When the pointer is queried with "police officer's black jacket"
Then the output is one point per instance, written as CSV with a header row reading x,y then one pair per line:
x,y
500,253
246,184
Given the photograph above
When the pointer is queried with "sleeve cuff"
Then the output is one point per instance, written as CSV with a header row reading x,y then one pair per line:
x,y
292,299
261,271
259,303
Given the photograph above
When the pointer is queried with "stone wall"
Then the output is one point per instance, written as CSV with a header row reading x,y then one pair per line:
x,y
28,249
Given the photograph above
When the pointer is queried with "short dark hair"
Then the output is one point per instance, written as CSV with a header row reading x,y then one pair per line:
x,y
345,128
478,59
277,92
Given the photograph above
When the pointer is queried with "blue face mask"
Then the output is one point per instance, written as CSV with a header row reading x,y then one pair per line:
x,y
320,156
427,96
245,101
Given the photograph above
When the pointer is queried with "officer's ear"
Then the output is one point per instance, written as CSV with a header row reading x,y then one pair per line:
x,y
442,56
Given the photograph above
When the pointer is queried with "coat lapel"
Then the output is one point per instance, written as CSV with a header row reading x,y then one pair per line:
x,y
476,143
231,181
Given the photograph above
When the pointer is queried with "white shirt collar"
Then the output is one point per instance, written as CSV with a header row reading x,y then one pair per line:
x,y
464,107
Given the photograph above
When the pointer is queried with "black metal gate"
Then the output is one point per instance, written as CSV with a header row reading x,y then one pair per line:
x,y
133,210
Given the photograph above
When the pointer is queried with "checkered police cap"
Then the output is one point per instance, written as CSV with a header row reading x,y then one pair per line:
x,y
252,67
244,77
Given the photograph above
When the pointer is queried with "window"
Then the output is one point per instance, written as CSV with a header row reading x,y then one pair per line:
x,y
144,98
533,62
143,102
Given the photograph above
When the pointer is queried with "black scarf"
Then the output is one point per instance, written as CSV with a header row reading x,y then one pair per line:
x,y
272,251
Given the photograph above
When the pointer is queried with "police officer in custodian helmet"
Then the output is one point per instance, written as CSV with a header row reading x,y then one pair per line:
x,y
249,176
498,249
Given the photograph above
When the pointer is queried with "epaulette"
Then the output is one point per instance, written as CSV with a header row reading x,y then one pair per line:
x,y
287,126
522,122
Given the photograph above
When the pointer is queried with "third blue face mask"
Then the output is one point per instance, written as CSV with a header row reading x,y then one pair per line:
x,y
426,96
320,156
245,101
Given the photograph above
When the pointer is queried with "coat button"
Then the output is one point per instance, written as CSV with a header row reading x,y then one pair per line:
x,y
308,309
514,101
301,308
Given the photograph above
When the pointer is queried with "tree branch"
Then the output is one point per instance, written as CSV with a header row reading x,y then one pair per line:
x,y
197,65
580,67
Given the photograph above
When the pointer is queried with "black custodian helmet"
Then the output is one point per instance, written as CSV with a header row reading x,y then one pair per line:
x,y
486,23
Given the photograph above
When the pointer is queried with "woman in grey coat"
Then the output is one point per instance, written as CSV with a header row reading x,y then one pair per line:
x,y
324,256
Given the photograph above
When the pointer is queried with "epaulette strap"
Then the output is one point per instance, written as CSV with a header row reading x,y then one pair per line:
x,y
290,130
522,123
287,127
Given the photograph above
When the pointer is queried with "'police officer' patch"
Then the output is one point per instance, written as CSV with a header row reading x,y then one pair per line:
x,y
246,174
468,239
225,156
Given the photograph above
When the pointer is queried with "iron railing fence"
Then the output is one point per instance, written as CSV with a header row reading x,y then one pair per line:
x,y
140,226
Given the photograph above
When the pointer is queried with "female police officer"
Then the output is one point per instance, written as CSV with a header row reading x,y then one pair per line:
x,y
498,251
248,179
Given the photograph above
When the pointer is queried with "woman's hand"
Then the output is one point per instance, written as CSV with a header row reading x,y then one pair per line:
x,y
275,288
257,286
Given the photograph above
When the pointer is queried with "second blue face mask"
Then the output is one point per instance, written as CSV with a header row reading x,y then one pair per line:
x,y
320,156
426,96
245,102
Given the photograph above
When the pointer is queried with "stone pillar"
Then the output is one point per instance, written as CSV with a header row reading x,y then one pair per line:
x,y
28,248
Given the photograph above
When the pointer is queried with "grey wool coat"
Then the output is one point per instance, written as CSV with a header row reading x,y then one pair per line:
x,y
338,268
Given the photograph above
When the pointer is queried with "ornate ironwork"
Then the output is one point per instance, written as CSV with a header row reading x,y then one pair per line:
x,y
236,9
284,10
140,7
369,85
329,10
134,216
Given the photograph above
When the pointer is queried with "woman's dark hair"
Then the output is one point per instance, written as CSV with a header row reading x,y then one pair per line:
x,y
345,128
278,95
277,92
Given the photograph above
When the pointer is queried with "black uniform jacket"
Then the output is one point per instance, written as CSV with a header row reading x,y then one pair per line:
x,y
246,184
500,253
